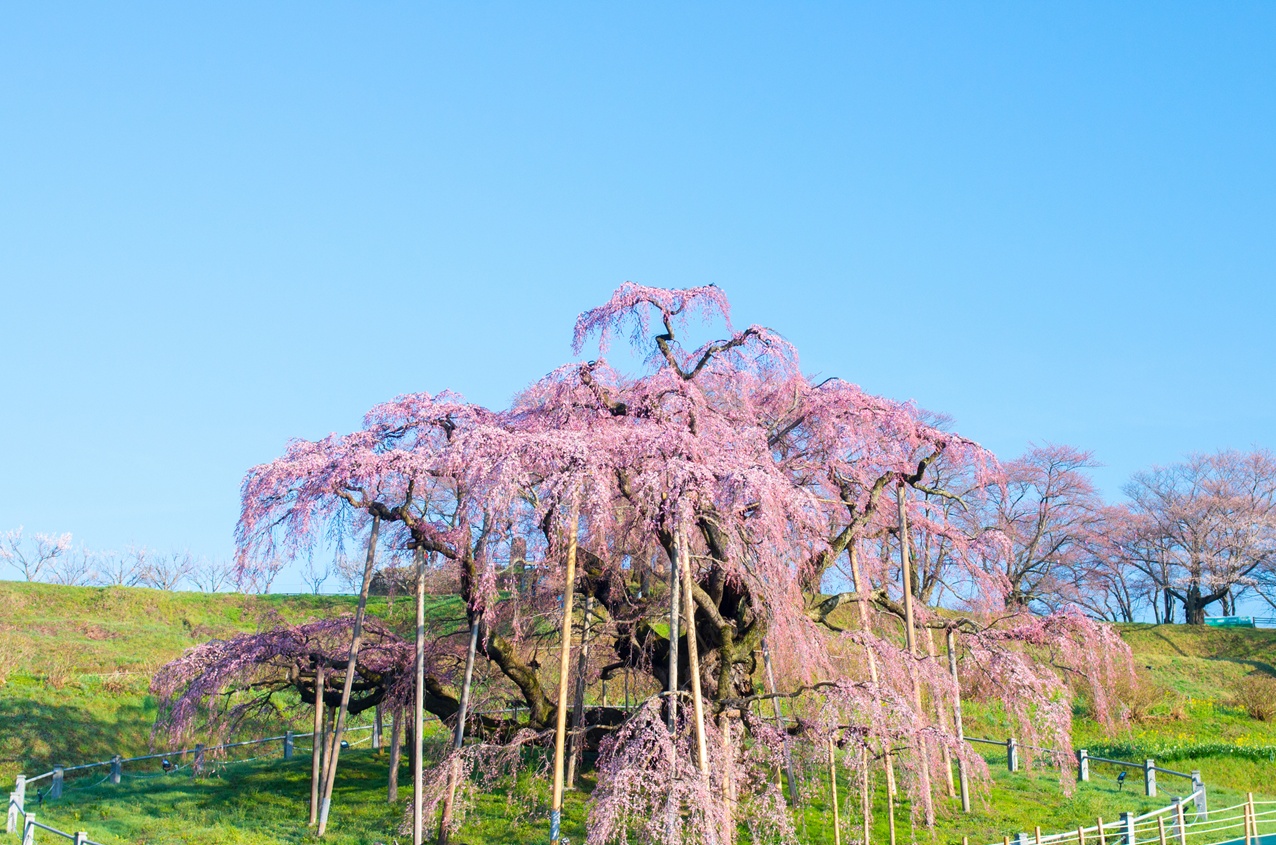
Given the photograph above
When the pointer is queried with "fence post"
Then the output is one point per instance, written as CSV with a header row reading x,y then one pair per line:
x,y
288,745
1149,778
1127,822
198,765
1012,754
1179,822
1083,764
117,768
376,729
80,837
28,829
17,800
1021,838
55,789
1198,787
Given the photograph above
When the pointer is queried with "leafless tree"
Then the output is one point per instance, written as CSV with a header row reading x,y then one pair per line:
x,y
166,571
114,569
75,567
314,576
35,556
213,575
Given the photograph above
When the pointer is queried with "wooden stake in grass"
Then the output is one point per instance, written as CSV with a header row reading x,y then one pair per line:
x,y
1103,840
1160,830
866,806
458,735
961,736
1182,827
356,639
728,784
1038,829
779,723
861,589
316,743
564,665
910,635
675,635
837,822
693,656
578,698
396,754
418,707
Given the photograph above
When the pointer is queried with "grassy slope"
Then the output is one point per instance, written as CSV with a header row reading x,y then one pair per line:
x,y
77,660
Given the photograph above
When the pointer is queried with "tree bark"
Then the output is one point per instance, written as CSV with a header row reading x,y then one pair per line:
x,y
564,667
356,640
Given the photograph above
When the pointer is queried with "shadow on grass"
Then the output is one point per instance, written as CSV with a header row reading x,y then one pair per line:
x,y
37,735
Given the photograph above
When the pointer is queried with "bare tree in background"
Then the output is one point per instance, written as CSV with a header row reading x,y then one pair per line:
x,y
256,577
166,571
74,568
33,557
314,576
114,569
212,575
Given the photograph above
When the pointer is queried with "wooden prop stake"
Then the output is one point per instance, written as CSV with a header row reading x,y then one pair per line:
x,y
693,655
564,666
316,744
418,707
356,640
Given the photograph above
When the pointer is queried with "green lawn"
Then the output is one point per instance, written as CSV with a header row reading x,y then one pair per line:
x,y
75,664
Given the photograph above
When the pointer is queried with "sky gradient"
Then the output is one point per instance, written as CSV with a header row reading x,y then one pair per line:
x,y
223,228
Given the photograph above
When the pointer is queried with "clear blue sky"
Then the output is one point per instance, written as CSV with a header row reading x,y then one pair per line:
x,y
222,228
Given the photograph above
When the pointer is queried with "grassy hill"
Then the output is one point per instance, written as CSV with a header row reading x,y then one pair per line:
x,y
75,664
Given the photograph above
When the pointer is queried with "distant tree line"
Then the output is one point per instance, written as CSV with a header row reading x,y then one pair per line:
x,y
1192,538
55,559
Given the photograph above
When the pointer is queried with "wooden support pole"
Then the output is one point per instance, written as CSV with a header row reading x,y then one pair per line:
x,y
578,698
396,755
458,735
564,667
693,656
837,822
779,724
675,634
418,707
866,804
316,744
861,590
962,777
356,640
1160,830
1178,816
1103,840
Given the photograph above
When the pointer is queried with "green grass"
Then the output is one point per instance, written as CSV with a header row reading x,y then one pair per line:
x,y
76,662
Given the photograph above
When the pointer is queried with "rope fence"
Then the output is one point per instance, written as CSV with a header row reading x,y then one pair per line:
x,y
1245,824
18,814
